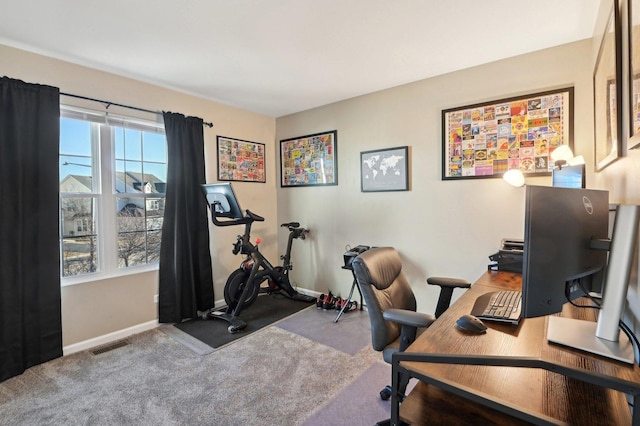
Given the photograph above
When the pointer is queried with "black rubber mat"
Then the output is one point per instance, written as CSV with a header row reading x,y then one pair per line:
x,y
266,310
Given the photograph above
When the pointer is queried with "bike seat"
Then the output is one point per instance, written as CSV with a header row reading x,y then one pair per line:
x,y
291,225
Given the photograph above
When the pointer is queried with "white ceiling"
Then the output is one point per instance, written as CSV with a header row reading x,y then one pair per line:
x,y
278,57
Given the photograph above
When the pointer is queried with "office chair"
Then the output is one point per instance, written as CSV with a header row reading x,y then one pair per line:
x,y
392,305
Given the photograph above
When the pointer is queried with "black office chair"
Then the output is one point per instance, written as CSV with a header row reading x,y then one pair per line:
x,y
392,305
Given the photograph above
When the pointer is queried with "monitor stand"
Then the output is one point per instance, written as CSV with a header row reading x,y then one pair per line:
x,y
605,337
581,335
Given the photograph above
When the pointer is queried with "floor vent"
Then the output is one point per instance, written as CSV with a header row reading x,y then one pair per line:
x,y
109,347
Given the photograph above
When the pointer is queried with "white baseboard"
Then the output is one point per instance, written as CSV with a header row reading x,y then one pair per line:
x,y
308,292
221,303
108,338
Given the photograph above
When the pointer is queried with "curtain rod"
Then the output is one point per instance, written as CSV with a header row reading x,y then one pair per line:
x,y
108,104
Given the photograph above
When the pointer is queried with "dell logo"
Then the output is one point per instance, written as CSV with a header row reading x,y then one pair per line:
x,y
587,205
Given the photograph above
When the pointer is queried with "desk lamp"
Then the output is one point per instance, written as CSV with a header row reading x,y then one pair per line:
x,y
563,155
560,156
514,177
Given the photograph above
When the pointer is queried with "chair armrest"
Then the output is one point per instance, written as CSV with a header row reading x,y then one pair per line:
x,y
447,285
408,318
449,282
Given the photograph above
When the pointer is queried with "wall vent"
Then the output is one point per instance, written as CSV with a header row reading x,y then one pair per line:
x,y
109,347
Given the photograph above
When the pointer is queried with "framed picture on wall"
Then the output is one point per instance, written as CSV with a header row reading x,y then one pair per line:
x,y
240,160
607,93
309,160
488,139
634,73
385,170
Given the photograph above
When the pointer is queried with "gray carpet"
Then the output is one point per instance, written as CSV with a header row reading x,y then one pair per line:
x,y
271,377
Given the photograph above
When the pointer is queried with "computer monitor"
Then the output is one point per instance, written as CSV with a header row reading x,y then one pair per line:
x,y
222,200
569,176
560,225
565,249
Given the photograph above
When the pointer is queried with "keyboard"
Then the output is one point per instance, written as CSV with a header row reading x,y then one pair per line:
x,y
501,306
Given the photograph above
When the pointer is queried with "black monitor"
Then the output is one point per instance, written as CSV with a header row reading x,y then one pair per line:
x,y
565,252
569,176
559,227
222,200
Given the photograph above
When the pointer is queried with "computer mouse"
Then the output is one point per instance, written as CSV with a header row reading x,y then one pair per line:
x,y
471,324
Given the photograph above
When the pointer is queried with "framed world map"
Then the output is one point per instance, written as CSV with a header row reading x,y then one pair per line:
x,y
385,169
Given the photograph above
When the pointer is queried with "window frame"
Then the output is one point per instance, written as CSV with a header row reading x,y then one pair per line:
x,y
104,190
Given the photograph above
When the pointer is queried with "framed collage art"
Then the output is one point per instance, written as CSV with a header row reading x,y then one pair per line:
x,y
607,93
240,160
309,160
634,73
486,140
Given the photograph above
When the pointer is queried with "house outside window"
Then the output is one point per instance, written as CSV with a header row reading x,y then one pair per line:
x,y
112,191
82,226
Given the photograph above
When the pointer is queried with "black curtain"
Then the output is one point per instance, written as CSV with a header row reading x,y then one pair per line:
x,y
30,317
186,282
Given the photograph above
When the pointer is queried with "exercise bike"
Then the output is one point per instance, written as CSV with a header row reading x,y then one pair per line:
x,y
245,283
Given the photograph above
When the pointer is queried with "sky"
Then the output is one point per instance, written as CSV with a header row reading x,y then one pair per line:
x,y
134,150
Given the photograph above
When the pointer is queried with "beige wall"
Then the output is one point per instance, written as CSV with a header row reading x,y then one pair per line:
x,y
91,310
440,227
622,177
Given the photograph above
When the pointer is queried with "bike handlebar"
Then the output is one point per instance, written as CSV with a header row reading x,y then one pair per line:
x,y
254,216
249,217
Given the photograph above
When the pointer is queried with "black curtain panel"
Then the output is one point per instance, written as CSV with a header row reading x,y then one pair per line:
x,y
186,281
30,317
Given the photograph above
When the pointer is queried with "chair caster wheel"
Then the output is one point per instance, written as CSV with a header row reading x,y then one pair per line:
x,y
385,393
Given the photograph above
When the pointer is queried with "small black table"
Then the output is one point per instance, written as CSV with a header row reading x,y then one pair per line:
x,y
353,285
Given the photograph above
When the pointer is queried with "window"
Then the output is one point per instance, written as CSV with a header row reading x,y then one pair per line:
x,y
112,192
83,225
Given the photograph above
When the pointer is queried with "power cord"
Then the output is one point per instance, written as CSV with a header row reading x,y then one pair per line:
x,y
596,303
632,337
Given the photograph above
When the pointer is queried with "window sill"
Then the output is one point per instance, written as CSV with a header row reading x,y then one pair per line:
x,y
100,276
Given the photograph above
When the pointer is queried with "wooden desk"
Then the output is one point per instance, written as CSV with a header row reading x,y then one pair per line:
x,y
532,394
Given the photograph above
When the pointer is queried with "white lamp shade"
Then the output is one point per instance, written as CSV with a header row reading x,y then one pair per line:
x,y
514,177
563,152
576,160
